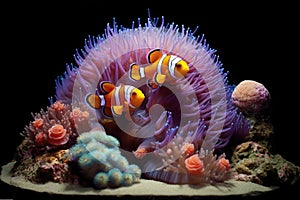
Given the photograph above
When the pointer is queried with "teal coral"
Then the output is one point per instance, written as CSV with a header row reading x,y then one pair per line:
x,y
100,162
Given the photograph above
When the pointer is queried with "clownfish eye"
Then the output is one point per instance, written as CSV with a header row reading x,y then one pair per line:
x,y
133,94
178,65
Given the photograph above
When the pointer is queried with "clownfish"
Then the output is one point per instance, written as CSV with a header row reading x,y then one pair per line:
x,y
161,68
116,99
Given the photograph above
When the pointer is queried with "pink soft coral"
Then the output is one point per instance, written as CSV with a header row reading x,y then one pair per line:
x,y
57,127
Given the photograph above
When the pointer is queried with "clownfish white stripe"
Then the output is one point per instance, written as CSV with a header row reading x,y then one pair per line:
x,y
172,63
142,72
102,100
127,92
160,63
117,97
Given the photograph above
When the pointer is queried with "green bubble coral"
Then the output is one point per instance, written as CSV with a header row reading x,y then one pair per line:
x,y
115,177
99,160
100,181
128,179
136,171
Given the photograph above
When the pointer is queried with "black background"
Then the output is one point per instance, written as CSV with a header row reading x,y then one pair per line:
x,y
253,40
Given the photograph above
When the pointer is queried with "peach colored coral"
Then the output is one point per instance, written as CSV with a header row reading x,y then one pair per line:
x,y
77,115
58,106
188,149
57,135
250,96
40,138
223,163
38,123
194,165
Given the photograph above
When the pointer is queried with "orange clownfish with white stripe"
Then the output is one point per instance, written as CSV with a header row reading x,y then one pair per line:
x,y
161,68
116,99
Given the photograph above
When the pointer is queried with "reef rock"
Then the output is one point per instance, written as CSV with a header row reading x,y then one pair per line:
x,y
261,131
254,162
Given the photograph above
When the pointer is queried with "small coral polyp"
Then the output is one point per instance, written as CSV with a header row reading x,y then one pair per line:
x,y
179,132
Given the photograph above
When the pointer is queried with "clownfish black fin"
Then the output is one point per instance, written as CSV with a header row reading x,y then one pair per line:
x,y
106,111
134,72
93,101
154,55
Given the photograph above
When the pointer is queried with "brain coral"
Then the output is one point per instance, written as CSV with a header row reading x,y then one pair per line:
x,y
250,96
197,106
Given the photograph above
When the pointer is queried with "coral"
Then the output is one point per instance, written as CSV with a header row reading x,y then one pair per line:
x,y
56,128
251,96
254,162
100,162
194,165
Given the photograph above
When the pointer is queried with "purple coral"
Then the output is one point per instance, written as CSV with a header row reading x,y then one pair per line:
x,y
197,107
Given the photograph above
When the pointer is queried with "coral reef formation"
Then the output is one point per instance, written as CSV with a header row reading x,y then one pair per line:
x,y
254,160
42,155
56,128
151,102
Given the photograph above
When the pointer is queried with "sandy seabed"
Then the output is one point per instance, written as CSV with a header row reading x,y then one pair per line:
x,y
145,188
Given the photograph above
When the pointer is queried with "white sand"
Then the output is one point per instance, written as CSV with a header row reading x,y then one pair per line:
x,y
143,188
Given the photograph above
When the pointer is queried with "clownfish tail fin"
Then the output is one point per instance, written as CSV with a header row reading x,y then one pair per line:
x,y
134,72
94,101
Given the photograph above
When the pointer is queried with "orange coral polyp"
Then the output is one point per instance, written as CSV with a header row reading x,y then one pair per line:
x,y
57,132
194,165
188,149
78,115
58,106
40,138
223,163
38,123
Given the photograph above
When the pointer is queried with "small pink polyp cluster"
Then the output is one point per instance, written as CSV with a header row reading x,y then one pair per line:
x,y
182,163
195,166
57,127
250,96
77,115
58,106
56,135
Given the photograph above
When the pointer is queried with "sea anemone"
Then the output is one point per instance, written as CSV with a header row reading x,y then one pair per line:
x,y
197,106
